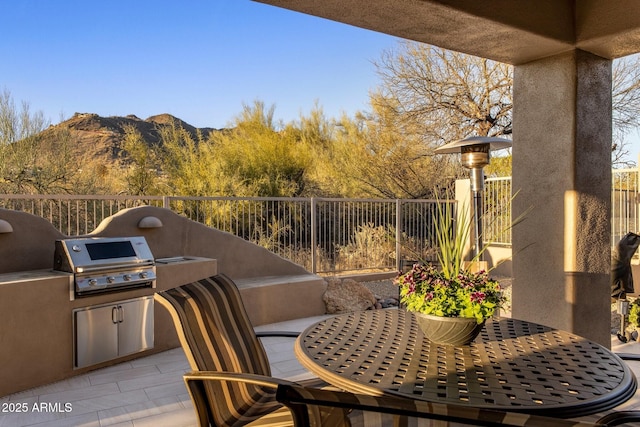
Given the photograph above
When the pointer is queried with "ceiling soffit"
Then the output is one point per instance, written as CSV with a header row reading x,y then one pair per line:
x,y
509,31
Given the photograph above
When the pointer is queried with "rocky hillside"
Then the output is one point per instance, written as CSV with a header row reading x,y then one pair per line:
x,y
101,137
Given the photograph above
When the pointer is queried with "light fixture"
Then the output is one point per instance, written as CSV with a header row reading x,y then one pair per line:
x,y
150,222
475,156
5,227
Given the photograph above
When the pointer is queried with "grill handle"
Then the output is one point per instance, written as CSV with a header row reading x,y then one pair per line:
x,y
114,266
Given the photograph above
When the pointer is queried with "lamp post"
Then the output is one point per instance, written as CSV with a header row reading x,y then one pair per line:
x,y
475,156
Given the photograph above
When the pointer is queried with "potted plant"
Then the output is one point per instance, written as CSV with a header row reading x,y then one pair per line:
x,y
451,301
634,316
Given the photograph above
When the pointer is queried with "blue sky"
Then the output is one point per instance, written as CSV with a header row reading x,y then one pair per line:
x,y
199,60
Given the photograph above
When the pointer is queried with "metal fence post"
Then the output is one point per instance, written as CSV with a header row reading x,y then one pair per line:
x,y
398,235
314,237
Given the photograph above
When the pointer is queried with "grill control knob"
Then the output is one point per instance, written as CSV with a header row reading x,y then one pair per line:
x,y
143,275
111,279
126,277
93,282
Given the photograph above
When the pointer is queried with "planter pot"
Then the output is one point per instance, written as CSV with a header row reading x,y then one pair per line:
x,y
449,330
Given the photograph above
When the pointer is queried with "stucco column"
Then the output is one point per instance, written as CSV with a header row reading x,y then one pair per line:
x,y
562,168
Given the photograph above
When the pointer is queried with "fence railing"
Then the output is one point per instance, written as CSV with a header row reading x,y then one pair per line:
x,y
322,234
624,203
496,220
625,207
75,215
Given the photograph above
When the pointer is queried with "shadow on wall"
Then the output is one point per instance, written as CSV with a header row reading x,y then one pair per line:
x,y
31,244
499,258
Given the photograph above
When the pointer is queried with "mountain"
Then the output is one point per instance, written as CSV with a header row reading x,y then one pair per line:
x,y
101,137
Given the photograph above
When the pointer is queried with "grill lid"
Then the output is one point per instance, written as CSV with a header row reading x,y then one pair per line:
x,y
91,254
105,264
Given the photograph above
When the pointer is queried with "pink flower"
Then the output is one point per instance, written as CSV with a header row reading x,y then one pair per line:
x,y
477,297
412,288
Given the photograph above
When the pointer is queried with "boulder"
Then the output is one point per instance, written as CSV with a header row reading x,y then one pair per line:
x,y
345,296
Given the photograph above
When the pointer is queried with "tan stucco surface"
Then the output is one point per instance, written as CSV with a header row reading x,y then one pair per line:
x,y
36,335
562,171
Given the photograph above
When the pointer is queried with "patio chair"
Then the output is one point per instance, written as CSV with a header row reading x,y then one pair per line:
x,y
231,382
375,411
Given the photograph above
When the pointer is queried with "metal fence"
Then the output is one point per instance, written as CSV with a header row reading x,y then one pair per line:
x,y
625,207
496,220
324,235
624,203
74,215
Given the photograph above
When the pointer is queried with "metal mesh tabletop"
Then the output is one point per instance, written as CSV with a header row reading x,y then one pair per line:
x,y
513,365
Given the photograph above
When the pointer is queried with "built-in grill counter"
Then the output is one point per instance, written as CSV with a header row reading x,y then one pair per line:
x,y
46,311
108,331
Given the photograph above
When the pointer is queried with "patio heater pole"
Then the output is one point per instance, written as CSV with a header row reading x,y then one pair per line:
x,y
474,152
477,188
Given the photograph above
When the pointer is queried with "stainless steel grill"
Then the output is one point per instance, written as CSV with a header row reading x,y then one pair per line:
x,y
106,264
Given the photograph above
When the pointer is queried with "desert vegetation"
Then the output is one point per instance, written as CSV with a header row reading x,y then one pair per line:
x,y
427,97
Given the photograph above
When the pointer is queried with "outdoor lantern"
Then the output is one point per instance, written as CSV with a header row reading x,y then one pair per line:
x,y
475,156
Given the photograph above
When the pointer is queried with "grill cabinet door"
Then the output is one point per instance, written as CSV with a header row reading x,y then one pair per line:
x,y
96,335
135,325
109,331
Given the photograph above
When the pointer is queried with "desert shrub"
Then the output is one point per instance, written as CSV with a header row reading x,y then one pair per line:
x,y
370,246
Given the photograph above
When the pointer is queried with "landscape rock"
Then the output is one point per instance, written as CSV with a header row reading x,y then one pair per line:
x,y
388,302
345,296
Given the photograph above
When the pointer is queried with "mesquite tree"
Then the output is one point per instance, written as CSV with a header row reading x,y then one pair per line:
x,y
450,95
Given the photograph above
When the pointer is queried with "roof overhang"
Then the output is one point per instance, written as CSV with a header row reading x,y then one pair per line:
x,y
509,31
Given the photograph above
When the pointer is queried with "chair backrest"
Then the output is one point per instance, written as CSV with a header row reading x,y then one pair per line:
x,y
217,336
213,327
374,411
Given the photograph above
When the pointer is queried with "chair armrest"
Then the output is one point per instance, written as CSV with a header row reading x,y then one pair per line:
x,y
261,380
273,382
628,356
195,385
620,417
288,334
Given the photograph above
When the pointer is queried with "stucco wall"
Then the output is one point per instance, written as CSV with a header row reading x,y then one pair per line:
x,y
36,335
31,245
562,136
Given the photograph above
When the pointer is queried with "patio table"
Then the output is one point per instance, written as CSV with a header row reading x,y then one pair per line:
x,y
512,365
